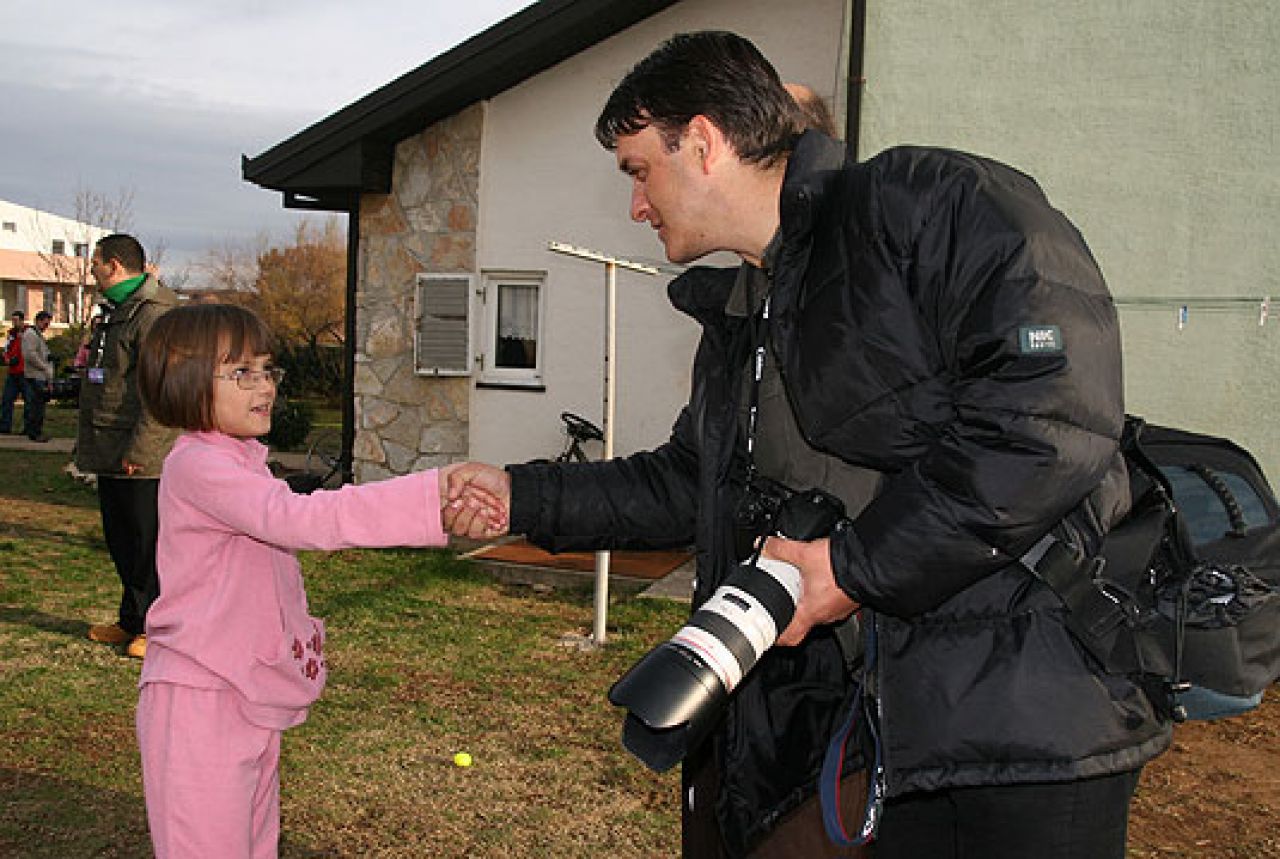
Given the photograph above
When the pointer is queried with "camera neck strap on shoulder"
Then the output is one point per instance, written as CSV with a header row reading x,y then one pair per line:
x,y
759,352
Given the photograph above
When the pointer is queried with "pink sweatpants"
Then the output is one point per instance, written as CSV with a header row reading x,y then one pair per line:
x,y
211,778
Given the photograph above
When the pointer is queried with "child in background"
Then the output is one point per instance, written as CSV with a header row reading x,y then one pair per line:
x,y
233,656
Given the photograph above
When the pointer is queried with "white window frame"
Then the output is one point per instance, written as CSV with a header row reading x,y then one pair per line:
x,y
491,280
427,362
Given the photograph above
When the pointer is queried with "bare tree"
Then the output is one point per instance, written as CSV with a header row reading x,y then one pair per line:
x,y
93,212
232,267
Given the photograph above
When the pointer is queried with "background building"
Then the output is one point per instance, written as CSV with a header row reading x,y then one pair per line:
x,y
1152,126
44,263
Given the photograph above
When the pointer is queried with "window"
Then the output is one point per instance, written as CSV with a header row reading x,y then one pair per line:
x,y
10,226
513,328
59,247
442,330
82,250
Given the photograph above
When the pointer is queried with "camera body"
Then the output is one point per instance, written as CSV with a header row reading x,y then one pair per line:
x,y
675,694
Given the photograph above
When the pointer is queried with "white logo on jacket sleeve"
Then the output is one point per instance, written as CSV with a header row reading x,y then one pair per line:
x,y
1040,339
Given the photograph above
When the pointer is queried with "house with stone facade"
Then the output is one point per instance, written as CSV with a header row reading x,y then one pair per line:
x,y
467,335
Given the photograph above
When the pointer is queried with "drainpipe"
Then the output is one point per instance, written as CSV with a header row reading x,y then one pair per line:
x,y
349,343
856,82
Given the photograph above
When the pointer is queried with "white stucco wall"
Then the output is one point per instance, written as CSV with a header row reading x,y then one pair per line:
x,y
1154,125
543,177
35,230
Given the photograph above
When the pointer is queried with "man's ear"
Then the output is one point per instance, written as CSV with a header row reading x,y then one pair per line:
x,y
707,142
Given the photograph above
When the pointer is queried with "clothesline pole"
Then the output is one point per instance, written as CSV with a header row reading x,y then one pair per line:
x,y
611,265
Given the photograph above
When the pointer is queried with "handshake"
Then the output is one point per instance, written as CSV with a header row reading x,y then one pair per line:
x,y
475,500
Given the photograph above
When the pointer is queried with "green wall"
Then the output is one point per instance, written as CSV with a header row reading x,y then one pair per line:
x,y
1154,125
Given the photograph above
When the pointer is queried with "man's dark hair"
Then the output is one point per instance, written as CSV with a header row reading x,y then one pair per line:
x,y
712,73
125,249
21,314
42,315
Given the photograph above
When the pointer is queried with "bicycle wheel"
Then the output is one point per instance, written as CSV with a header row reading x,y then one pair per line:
x,y
324,458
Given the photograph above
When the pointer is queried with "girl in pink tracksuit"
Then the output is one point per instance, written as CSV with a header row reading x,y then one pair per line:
x,y
233,656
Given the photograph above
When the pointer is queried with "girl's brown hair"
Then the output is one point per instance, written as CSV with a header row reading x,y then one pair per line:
x,y
181,353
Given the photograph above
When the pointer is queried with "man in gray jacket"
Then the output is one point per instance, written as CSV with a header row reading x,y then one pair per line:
x,y
117,440
38,371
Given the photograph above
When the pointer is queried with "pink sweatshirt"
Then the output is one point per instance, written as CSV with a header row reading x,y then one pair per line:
x,y
232,612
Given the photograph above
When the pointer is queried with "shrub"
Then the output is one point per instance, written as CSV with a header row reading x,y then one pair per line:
x,y
311,372
290,424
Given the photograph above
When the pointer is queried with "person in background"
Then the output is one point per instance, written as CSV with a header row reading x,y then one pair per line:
x,y
15,380
814,108
116,439
38,370
925,337
81,360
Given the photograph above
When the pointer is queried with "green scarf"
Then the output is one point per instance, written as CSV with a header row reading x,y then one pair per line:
x,y
122,290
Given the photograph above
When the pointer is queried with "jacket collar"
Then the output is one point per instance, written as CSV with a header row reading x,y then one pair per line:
x,y
249,451
812,170
702,291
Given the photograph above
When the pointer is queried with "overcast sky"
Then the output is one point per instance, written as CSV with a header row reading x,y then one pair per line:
x,y
161,98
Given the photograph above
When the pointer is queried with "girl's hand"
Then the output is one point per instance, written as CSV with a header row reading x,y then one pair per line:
x,y
475,500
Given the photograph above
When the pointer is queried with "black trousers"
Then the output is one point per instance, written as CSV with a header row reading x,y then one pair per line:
x,y
33,414
1086,819
131,525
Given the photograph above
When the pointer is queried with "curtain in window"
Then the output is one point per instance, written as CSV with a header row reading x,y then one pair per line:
x,y
517,325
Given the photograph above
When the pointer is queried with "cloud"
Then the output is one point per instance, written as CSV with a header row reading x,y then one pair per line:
x,y
163,98
182,162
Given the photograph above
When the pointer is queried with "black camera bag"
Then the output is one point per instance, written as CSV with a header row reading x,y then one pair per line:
x,y
1171,598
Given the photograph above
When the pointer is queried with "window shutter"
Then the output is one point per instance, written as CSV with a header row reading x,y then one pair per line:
x,y
442,339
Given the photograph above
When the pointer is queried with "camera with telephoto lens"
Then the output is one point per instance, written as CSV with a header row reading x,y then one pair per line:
x,y
676,693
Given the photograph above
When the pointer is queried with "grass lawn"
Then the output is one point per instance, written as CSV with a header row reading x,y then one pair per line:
x,y
428,657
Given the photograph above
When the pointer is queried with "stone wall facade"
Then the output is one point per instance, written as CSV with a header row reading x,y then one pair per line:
x,y
426,225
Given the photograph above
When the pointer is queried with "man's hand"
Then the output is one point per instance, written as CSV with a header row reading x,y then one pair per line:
x,y
821,599
131,468
477,500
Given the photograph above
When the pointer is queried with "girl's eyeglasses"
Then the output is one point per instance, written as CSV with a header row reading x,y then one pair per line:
x,y
247,379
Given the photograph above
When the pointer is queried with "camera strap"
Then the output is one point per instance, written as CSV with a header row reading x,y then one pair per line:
x,y
759,349
861,705
833,763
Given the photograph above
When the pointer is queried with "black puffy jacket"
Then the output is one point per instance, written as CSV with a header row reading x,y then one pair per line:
x,y
937,320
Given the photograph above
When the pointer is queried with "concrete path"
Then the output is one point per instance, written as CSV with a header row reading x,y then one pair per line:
x,y
21,442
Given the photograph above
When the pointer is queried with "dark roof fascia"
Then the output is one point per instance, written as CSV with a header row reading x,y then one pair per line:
x,y
350,152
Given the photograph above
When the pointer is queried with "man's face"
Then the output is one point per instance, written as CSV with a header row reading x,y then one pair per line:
x,y
103,272
664,192
43,323
16,319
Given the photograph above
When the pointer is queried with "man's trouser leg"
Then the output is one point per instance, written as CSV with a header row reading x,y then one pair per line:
x,y
1084,819
33,394
130,525
12,388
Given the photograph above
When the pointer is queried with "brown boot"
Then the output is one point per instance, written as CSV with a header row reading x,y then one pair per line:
x,y
109,633
138,647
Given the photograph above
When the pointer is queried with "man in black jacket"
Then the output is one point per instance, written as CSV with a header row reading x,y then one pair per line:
x,y
939,351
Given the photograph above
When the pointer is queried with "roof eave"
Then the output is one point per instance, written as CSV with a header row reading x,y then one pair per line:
x,y
351,151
